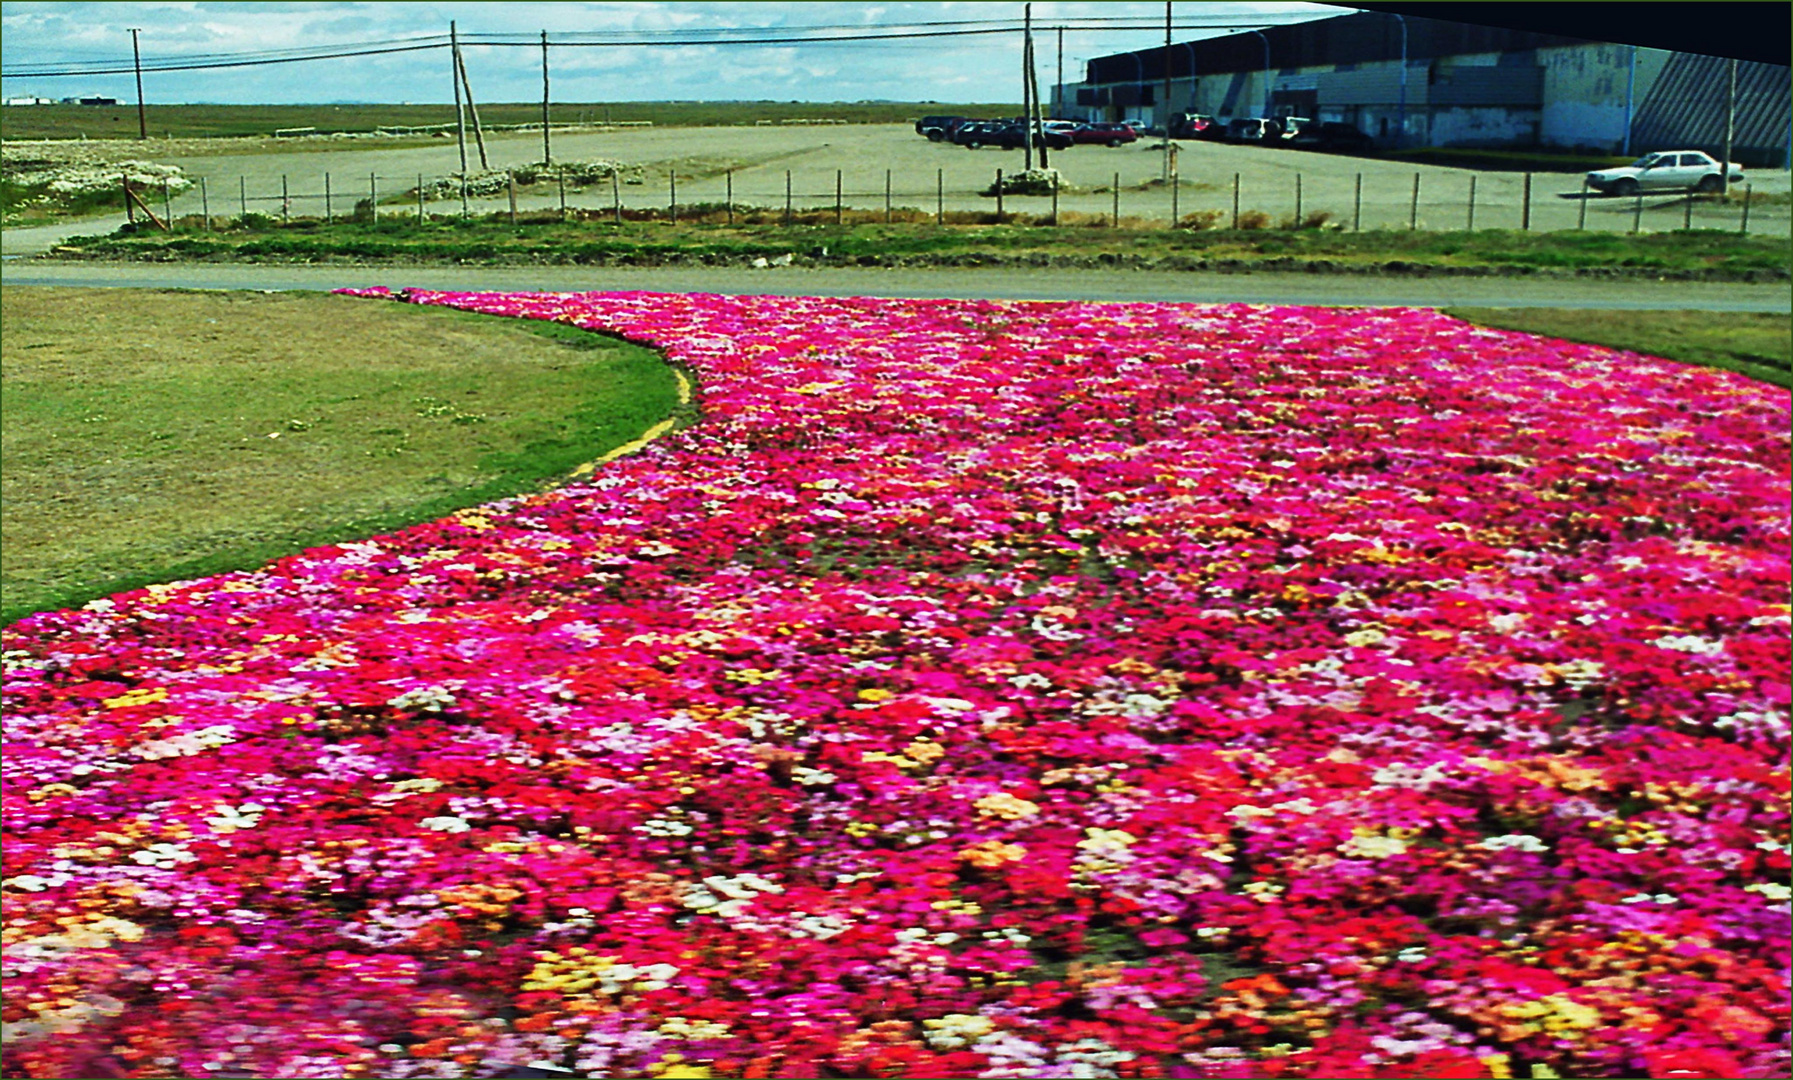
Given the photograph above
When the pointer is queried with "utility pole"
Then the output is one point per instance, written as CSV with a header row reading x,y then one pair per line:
x,y
1039,113
547,158
1164,107
1058,100
479,135
1724,176
460,112
1027,84
137,65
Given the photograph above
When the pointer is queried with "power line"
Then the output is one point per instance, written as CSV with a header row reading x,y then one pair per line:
x,y
685,37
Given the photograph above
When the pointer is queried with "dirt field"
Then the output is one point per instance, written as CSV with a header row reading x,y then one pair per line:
x,y
924,174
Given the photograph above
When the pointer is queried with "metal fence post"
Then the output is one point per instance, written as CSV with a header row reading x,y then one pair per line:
x,y
243,196
999,196
286,204
1357,204
616,197
1525,212
1637,213
1413,209
1298,200
1174,215
561,178
464,210
511,187
124,180
672,210
205,205
1116,222
329,213
1235,200
939,196
1581,215
420,198
167,206
837,196
1471,224
787,197
886,196
1743,227
373,199
728,193
1055,200
1687,214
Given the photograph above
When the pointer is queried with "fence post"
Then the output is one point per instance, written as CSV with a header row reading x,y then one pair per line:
x,y
1413,209
512,185
1743,227
373,199
1357,205
1687,213
728,194
787,198
329,213
1235,200
1116,222
1470,226
167,207
420,198
673,207
205,205
1175,208
286,203
616,197
1298,200
939,196
561,178
130,207
886,196
837,196
1525,213
1581,215
243,196
1637,213
999,196
1055,200
464,210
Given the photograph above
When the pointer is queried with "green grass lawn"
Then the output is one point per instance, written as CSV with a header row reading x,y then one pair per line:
x,y
151,436
1757,345
702,234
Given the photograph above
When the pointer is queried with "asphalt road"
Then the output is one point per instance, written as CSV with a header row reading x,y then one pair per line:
x,y
1271,288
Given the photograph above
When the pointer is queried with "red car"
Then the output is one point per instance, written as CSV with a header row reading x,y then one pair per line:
x,y
1104,133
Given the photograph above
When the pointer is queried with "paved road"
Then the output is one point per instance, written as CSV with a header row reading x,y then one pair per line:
x,y
1272,288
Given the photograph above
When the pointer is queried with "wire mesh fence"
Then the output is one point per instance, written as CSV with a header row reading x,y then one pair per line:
x,y
1296,200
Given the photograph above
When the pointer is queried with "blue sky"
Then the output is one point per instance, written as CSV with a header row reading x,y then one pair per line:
x,y
41,36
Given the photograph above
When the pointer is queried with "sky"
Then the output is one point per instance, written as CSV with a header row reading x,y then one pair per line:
x,y
39,37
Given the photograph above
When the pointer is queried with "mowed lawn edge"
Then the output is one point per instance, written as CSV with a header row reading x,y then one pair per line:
x,y
154,436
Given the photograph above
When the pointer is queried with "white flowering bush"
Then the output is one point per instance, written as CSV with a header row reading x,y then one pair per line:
x,y
482,185
1031,182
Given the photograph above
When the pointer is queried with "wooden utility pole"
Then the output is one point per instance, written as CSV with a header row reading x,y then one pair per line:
x,y
460,112
1039,113
1026,87
1164,107
137,65
479,135
547,158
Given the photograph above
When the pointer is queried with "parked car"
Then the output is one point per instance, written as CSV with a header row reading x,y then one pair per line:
x,y
1292,126
1665,170
1103,133
1194,126
1014,136
974,133
938,128
1332,137
1254,129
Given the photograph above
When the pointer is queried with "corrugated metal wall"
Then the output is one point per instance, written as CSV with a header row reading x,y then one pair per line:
x,y
1477,86
1685,109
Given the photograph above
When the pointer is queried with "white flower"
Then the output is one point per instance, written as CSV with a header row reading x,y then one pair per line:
x,y
445,824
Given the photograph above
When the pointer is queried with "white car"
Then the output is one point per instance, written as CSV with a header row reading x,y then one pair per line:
x,y
1665,170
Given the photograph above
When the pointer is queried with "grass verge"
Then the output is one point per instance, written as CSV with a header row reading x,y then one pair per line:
x,y
967,239
1757,345
153,436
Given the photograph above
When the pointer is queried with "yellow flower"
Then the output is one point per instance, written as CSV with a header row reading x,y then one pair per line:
x,y
1005,806
875,694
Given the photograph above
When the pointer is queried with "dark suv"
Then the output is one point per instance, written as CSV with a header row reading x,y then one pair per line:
x,y
938,128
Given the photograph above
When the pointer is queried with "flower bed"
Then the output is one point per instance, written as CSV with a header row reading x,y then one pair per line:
x,y
982,689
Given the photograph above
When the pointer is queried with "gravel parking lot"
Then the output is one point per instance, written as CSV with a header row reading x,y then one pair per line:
x,y
925,176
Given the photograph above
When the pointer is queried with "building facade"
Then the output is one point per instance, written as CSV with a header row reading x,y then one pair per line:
x,y
1408,81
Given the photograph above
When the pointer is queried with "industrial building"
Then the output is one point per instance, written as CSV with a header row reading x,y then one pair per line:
x,y
1409,81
